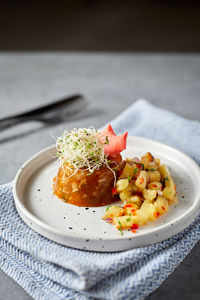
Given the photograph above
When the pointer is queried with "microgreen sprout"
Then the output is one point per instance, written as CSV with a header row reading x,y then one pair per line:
x,y
82,148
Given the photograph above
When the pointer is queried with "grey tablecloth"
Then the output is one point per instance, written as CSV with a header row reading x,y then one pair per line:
x,y
110,82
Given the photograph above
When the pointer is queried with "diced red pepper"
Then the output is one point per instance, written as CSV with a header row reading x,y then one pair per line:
x,y
114,191
154,185
156,214
135,226
139,166
163,208
128,205
133,211
141,180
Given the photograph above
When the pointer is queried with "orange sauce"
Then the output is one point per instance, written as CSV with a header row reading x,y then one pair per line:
x,y
83,189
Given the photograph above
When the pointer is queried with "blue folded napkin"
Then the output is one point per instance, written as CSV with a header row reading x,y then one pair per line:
x,y
47,270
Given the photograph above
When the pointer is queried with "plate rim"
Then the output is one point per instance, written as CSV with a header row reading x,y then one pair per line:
x,y
192,213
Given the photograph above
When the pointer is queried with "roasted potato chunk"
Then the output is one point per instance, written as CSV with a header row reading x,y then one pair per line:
x,y
112,212
155,185
142,180
149,195
161,205
122,184
128,171
153,175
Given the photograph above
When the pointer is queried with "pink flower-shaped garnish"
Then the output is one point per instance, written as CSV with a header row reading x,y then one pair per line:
x,y
116,143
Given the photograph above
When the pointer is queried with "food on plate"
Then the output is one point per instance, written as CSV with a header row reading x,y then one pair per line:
x,y
92,173
146,189
89,162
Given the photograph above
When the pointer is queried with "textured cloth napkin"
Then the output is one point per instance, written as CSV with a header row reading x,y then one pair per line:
x,y
47,270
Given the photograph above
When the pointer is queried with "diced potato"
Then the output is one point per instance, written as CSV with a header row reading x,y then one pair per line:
x,y
169,192
148,210
125,222
169,182
135,199
122,184
140,218
148,157
142,180
127,171
132,187
161,205
130,208
157,161
125,195
113,212
155,185
173,201
164,171
148,161
151,165
154,175
149,195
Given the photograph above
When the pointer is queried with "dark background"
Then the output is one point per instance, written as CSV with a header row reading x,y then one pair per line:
x,y
94,25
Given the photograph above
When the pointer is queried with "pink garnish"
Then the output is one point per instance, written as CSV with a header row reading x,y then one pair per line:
x,y
116,143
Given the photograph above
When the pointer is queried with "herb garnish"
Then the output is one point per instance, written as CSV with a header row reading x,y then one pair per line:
x,y
120,226
165,179
107,208
135,171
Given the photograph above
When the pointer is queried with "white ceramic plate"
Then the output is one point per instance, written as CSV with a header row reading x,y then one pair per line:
x,y
82,227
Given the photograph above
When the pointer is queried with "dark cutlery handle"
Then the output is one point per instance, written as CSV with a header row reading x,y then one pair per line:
x,y
7,123
39,113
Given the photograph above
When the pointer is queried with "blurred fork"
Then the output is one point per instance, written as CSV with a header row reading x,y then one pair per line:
x,y
53,113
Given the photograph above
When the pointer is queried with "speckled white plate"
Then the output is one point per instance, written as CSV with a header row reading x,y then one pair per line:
x,y
82,227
